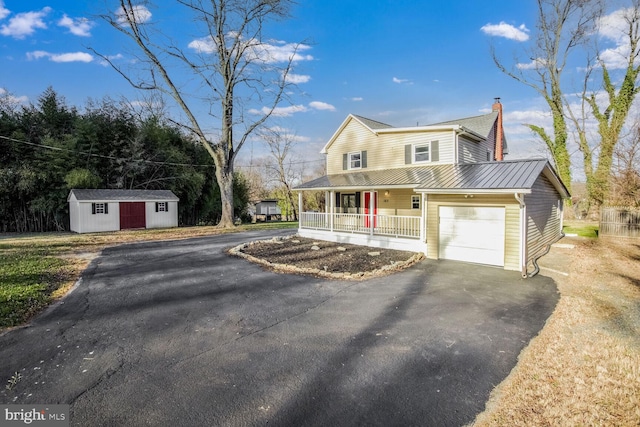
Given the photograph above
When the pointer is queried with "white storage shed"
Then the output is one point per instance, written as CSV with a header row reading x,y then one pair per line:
x,y
110,210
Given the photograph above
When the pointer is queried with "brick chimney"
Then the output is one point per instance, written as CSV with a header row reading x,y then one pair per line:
x,y
497,106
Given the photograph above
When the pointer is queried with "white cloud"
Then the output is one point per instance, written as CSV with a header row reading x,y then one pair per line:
x,y
24,24
78,26
317,105
293,109
60,57
3,11
614,28
11,99
203,45
507,31
268,52
534,64
297,78
139,14
401,81
105,63
356,98
281,111
280,52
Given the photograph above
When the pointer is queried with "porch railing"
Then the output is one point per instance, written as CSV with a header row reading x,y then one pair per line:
x,y
387,225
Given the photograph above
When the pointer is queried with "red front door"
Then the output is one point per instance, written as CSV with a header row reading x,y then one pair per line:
x,y
132,215
370,202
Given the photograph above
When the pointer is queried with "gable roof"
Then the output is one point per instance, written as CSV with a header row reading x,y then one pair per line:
x,y
482,125
502,177
479,127
371,124
101,195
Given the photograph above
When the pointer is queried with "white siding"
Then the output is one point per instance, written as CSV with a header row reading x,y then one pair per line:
x,y
83,221
161,219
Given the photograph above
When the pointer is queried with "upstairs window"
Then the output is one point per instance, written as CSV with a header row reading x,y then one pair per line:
x,y
421,153
426,152
355,160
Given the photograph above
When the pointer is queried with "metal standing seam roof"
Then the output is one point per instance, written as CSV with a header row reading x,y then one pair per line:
x,y
86,195
489,176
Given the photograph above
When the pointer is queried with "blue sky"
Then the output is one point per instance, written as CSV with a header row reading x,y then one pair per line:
x,y
399,62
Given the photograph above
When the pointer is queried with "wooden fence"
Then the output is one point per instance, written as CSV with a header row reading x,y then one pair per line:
x,y
619,221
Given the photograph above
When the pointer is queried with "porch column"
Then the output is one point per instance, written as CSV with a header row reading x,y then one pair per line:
x,y
372,206
300,222
423,219
332,209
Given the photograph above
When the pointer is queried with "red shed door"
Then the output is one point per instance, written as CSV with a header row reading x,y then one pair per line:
x,y
132,215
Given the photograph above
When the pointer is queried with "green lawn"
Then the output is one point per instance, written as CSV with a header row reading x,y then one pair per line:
x,y
583,229
35,268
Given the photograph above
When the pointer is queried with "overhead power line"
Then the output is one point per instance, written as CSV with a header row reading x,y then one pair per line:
x,y
102,156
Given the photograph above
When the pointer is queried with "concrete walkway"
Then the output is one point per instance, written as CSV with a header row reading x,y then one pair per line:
x,y
179,333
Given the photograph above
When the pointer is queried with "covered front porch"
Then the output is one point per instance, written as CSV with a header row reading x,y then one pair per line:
x,y
392,218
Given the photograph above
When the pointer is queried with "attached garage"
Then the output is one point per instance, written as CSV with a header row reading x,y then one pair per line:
x,y
472,234
111,210
504,214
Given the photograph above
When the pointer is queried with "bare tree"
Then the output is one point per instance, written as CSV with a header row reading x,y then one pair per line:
x,y
281,167
611,114
625,180
561,26
234,67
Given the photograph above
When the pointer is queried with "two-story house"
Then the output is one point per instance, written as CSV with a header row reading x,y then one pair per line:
x,y
442,189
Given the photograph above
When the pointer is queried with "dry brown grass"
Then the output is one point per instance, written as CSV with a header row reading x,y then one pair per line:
x,y
583,369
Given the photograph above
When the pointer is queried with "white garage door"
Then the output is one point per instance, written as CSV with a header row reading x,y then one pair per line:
x,y
472,233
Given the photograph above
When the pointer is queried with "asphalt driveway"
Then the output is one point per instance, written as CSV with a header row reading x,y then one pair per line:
x,y
179,333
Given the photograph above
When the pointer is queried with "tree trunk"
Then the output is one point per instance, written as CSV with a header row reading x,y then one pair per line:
x,y
224,176
293,203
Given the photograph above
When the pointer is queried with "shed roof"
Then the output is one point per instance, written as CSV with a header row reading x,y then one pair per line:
x,y
100,195
506,176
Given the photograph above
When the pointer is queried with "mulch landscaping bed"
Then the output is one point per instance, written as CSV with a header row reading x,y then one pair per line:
x,y
326,258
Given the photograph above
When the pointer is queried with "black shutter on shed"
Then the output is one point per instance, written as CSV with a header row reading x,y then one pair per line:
x,y
93,208
106,208
156,206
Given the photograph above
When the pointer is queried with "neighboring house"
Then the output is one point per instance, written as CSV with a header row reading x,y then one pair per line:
x,y
441,189
109,210
267,210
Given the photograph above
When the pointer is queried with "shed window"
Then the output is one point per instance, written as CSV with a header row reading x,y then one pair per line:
x,y
162,206
99,208
415,202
